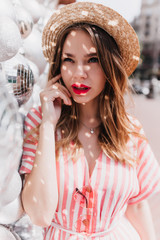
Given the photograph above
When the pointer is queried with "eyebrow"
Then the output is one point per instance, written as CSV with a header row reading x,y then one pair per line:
x,y
87,55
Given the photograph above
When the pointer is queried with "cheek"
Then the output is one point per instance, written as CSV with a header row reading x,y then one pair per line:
x,y
99,75
101,80
66,75
63,70
96,70
66,72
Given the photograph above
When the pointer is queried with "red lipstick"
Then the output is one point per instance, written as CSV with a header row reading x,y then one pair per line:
x,y
80,88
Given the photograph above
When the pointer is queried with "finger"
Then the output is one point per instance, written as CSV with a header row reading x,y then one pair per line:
x,y
52,95
63,88
66,99
59,87
53,80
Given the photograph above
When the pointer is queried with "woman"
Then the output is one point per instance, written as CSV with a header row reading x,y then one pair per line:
x,y
88,167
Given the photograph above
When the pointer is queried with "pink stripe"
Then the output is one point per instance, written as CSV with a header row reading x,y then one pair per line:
x,y
112,192
65,195
108,164
99,173
148,193
58,183
73,203
108,160
27,149
38,112
29,162
52,229
154,174
54,233
80,208
131,183
140,141
143,165
44,235
28,127
32,119
119,202
40,109
134,189
32,141
143,150
133,200
147,170
24,169
29,146
27,157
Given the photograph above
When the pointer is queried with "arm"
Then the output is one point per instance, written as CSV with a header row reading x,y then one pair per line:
x,y
40,192
140,217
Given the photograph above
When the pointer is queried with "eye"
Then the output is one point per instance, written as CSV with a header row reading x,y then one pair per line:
x,y
93,60
67,60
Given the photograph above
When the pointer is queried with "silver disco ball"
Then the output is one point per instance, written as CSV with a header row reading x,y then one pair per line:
x,y
20,76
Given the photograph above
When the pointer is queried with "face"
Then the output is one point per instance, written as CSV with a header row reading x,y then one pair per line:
x,y
80,68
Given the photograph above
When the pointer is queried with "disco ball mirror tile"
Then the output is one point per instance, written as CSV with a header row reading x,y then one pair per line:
x,y
20,76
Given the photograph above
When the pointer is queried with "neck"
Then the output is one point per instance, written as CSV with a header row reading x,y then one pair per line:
x,y
89,113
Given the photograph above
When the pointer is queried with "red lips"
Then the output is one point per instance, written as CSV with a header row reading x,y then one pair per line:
x,y
80,88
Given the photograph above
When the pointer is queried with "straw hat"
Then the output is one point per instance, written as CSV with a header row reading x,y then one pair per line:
x,y
106,18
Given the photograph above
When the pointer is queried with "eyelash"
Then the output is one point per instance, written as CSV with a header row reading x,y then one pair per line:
x,y
91,60
67,60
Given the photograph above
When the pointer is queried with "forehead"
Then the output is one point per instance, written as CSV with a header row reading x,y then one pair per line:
x,y
79,40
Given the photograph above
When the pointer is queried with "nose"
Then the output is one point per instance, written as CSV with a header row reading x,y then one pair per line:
x,y
80,71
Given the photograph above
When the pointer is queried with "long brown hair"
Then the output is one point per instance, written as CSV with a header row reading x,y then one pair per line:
x,y
116,127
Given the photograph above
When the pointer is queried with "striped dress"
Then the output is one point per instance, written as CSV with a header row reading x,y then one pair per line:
x,y
113,186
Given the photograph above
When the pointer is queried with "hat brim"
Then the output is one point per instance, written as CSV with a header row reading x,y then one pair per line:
x,y
96,14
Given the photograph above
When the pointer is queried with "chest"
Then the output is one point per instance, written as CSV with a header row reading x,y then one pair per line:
x,y
112,182
91,150
104,174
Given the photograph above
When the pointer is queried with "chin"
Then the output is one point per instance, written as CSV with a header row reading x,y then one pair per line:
x,y
81,100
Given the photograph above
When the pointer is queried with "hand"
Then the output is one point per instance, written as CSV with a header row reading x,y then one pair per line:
x,y
51,98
